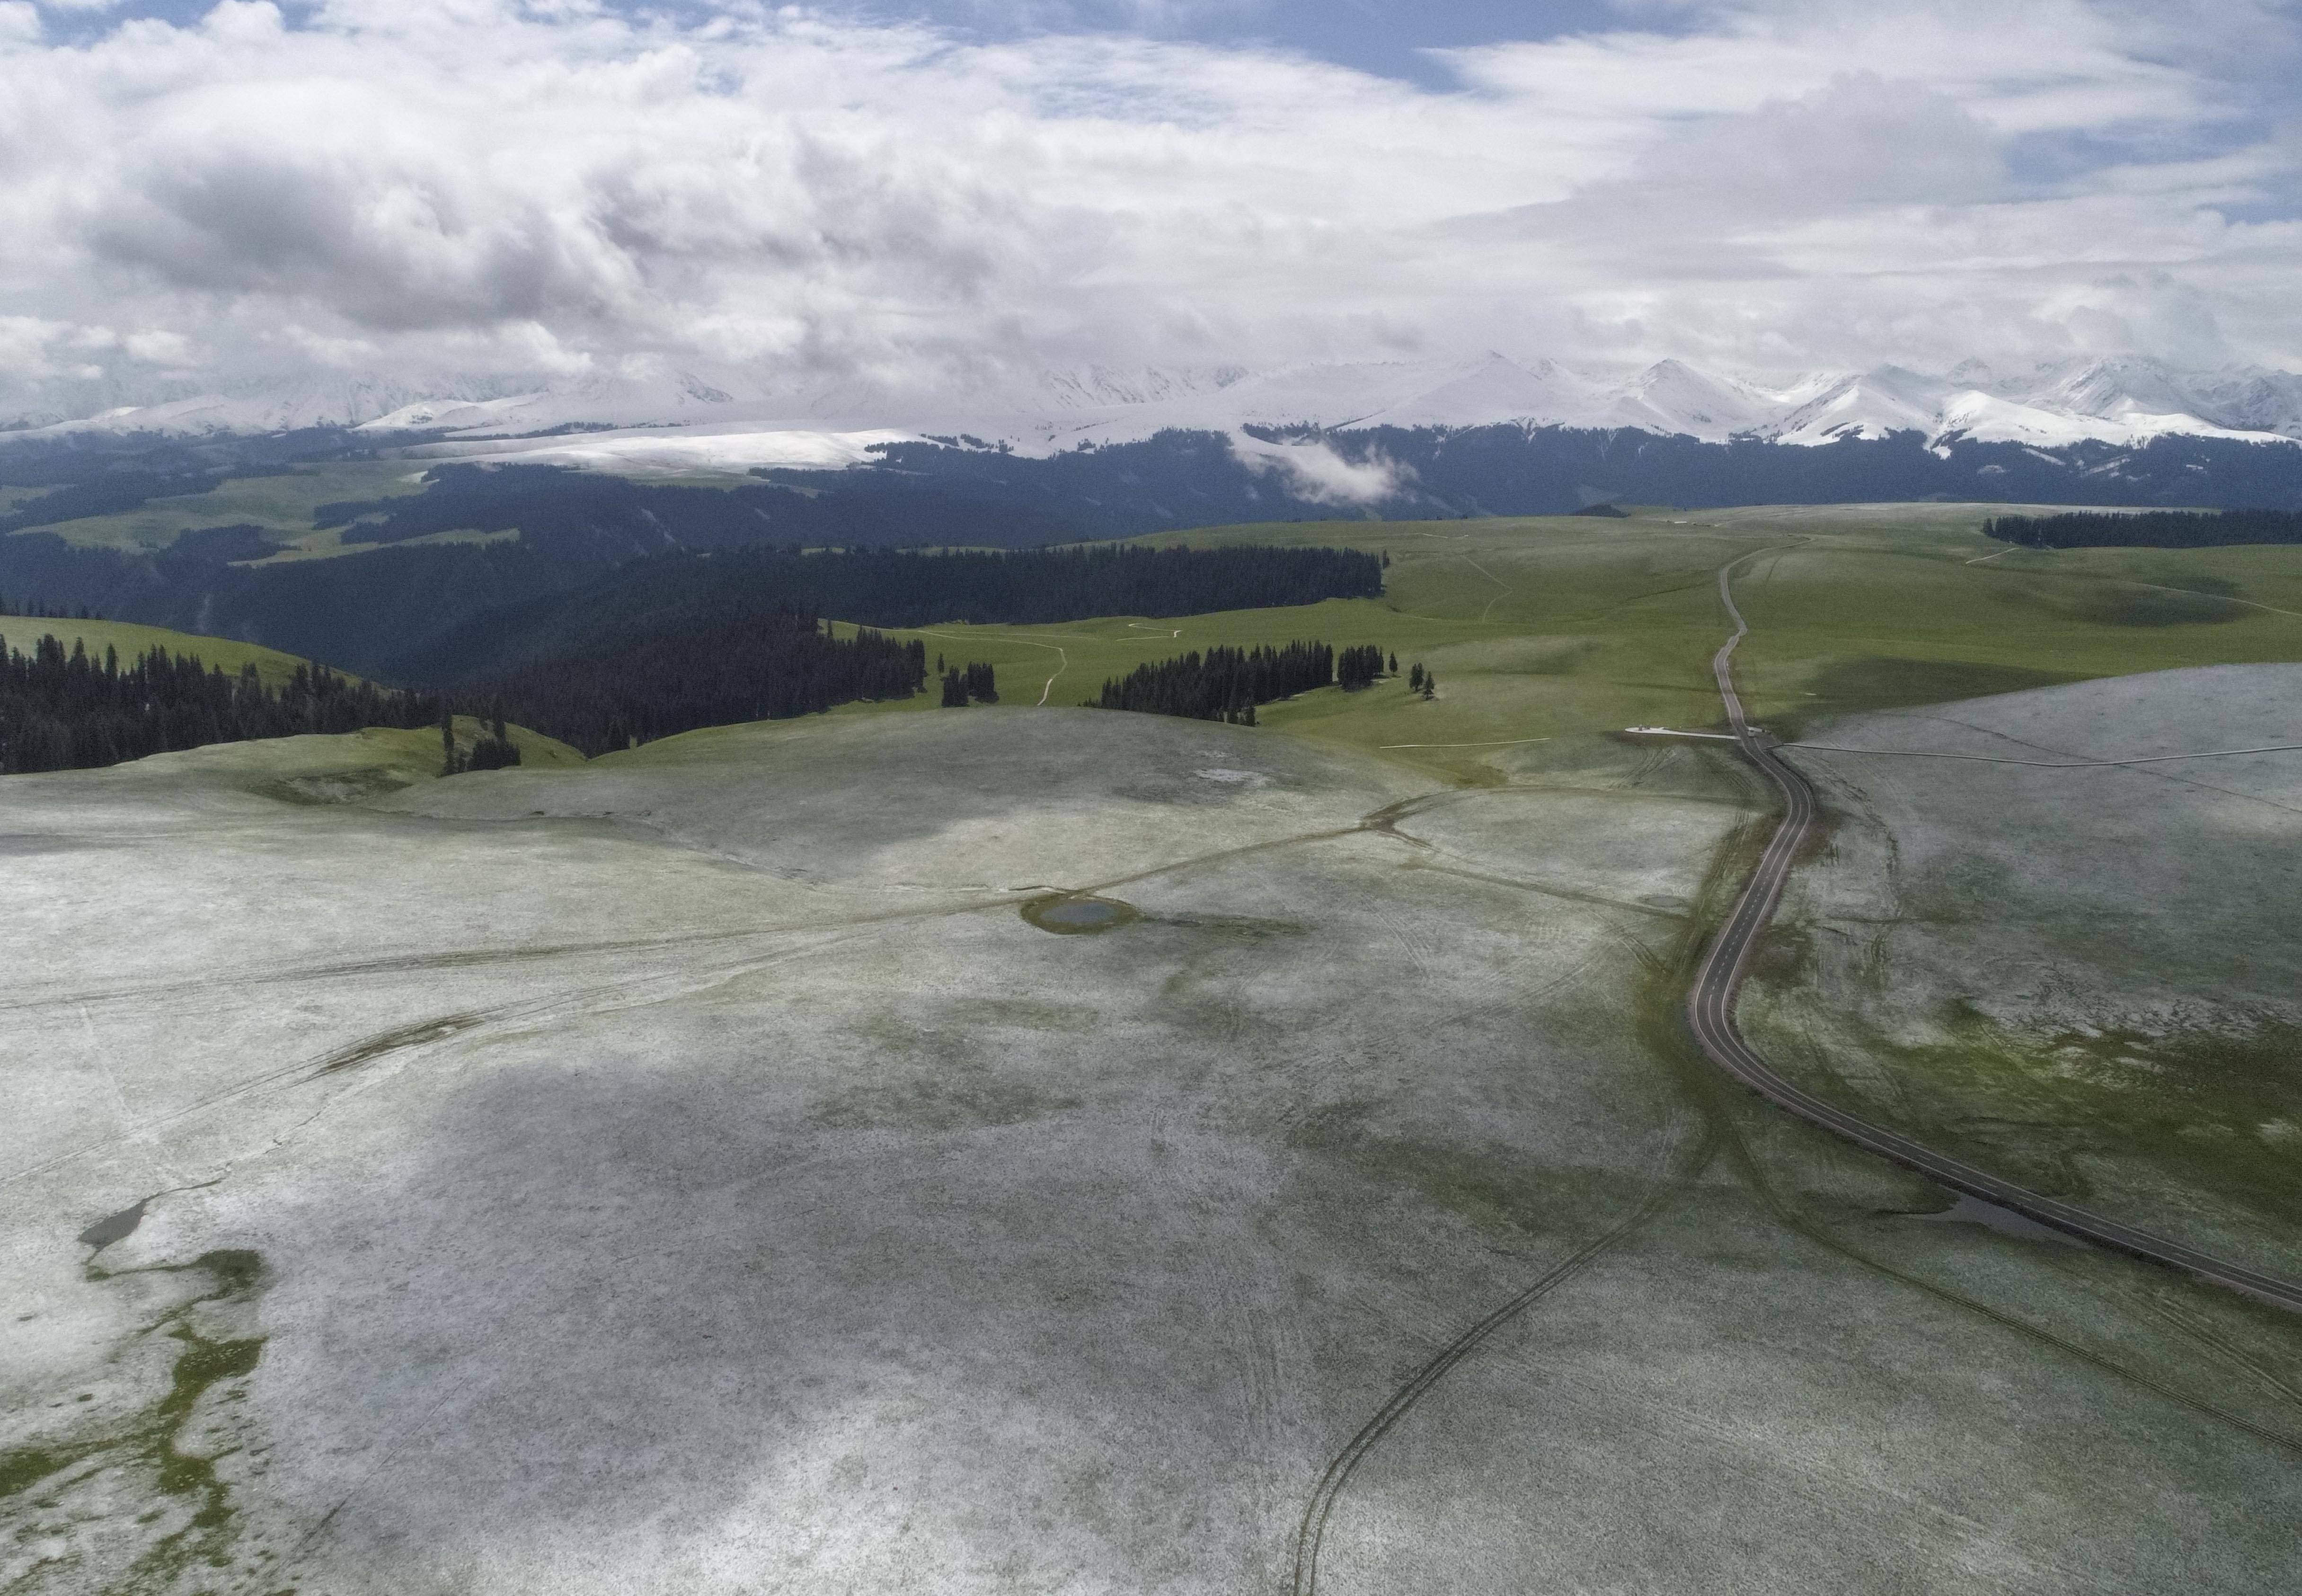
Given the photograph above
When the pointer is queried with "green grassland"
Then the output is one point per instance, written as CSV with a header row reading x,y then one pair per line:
x,y
1550,628
281,505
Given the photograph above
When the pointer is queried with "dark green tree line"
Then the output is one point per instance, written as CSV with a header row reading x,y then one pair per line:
x,y
63,710
652,682
2150,529
1222,683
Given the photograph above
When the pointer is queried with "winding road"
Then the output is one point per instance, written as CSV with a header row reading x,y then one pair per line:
x,y
1710,1010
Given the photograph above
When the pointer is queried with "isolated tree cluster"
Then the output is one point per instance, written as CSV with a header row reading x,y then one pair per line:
x,y
66,709
1361,667
975,684
493,750
1226,683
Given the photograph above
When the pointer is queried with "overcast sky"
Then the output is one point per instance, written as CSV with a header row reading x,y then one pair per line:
x,y
932,194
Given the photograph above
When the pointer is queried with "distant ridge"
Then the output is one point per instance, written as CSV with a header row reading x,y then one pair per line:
x,y
683,422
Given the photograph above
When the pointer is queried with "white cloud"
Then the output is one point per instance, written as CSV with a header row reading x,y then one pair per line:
x,y
159,347
1313,471
490,187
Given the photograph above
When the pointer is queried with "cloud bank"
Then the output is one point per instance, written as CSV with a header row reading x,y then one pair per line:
x,y
395,189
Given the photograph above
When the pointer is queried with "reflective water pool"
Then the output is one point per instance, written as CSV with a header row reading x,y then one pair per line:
x,y
1071,914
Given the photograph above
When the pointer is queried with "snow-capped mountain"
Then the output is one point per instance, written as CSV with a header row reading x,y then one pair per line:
x,y
661,420
250,408
2120,401
1670,397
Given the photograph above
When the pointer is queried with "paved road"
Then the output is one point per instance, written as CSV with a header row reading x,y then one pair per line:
x,y
1710,1010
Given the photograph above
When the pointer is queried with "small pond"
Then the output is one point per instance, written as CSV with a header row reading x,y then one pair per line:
x,y
1973,1210
1077,914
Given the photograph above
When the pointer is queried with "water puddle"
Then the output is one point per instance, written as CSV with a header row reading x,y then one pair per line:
x,y
114,1227
1974,1211
1079,914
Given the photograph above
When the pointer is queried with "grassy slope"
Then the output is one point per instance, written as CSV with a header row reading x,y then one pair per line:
x,y
321,769
1548,627
359,749
282,505
21,632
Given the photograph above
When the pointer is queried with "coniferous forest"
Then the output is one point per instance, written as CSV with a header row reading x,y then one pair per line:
x,y
883,587
2148,529
655,681
63,711
1226,683
672,644
34,609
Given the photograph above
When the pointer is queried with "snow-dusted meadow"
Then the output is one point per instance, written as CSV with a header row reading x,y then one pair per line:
x,y
2088,971
690,1172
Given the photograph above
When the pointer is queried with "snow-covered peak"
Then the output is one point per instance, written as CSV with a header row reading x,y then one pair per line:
x,y
258,408
1489,390
1673,397
2124,400
1102,386
2115,388
1873,404
2250,400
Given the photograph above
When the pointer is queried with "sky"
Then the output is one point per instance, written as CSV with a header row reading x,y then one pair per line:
x,y
893,197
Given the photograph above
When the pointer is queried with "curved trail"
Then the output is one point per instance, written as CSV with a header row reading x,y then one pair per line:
x,y
1710,1011
1311,1533
1063,659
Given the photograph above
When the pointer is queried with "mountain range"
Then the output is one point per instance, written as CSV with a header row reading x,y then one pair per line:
x,y
666,422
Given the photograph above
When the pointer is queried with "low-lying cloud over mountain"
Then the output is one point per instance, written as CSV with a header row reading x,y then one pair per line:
x,y
823,211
